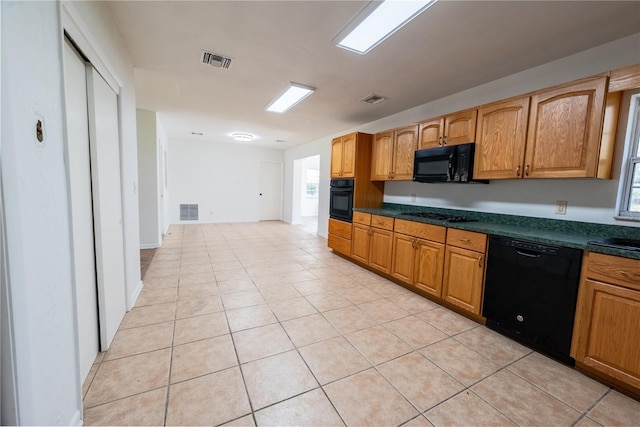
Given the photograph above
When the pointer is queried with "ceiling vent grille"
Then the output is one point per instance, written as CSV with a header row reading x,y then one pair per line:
x,y
374,99
215,60
188,212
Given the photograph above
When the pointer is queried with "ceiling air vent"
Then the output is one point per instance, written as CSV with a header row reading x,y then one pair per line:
x,y
215,60
373,99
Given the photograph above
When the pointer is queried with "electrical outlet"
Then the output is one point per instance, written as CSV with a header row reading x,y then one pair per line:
x,y
413,197
561,207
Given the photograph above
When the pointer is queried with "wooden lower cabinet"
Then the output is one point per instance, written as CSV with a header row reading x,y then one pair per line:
x,y
463,280
381,249
418,262
360,243
339,238
606,337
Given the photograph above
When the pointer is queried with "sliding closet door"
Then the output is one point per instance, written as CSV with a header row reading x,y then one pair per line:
x,y
107,203
81,204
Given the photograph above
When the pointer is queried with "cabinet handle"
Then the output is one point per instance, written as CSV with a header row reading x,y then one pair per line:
x,y
369,232
465,240
628,274
393,175
518,171
480,261
439,140
414,244
444,140
526,170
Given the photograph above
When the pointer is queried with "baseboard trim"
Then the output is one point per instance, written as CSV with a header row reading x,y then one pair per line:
x,y
77,419
135,296
149,246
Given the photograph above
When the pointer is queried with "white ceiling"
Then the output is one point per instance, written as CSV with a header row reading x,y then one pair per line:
x,y
454,45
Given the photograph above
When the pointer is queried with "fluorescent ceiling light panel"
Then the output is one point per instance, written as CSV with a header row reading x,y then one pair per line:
x,y
292,94
370,28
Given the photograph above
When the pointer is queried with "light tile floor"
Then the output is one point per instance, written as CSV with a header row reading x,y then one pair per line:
x,y
259,323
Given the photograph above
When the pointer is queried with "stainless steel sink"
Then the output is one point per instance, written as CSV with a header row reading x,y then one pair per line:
x,y
618,243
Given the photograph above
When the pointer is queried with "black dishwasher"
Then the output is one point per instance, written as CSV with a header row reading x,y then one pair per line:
x,y
530,293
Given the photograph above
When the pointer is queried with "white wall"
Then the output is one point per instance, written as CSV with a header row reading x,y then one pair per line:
x,y
223,179
37,216
98,38
163,201
148,174
40,291
589,200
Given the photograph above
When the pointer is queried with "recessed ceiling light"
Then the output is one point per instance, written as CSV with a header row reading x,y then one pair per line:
x,y
242,136
377,21
290,96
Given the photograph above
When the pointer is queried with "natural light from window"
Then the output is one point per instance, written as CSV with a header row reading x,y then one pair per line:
x,y
629,192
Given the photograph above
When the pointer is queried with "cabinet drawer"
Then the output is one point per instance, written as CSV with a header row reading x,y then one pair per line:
x,y
384,222
467,240
340,228
613,269
362,218
435,233
339,244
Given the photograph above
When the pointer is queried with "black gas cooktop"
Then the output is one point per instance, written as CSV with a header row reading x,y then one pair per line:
x,y
439,217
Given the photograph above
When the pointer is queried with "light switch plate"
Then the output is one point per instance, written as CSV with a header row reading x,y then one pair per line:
x,y
561,207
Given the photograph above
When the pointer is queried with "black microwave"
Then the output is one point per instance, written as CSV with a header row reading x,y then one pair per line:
x,y
444,164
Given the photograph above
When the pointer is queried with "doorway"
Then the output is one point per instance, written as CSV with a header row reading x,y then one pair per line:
x,y
306,192
270,191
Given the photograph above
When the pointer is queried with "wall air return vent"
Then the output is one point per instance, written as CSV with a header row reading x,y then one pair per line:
x,y
188,212
374,99
215,60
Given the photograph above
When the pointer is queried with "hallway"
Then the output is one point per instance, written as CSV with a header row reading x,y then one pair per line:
x,y
250,323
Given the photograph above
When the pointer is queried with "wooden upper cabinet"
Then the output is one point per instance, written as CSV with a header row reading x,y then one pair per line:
x,y
382,156
405,146
430,133
393,153
343,156
460,128
565,128
500,139
453,129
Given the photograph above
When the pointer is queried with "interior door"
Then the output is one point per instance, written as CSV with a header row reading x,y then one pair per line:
x,y
81,205
270,191
107,203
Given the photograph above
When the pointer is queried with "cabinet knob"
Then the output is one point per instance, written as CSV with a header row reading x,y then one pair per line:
x,y
526,170
518,171
480,261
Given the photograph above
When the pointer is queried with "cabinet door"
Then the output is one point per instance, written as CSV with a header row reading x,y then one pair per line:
x,y
429,265
336,158
607,330
460,128
403,257
463,274
500,140
381,249
360,243
405,145
430,133
349,156
565,129
382,156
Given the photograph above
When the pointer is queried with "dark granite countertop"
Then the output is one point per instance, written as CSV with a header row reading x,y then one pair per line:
x,y
572,234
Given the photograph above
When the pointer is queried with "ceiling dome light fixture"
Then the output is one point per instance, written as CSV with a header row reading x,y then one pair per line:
x,y
242,136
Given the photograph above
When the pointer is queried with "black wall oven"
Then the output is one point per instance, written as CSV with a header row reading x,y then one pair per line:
x,y
341,199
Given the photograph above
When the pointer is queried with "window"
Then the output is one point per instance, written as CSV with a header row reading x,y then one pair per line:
x,y
313,180
629,194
